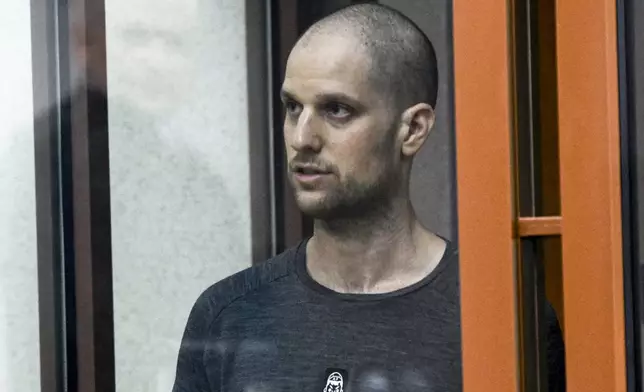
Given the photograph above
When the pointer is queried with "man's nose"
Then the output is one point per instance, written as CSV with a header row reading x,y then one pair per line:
x,y
306,133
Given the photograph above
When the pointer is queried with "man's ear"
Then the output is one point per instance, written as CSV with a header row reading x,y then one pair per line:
x,y
417,123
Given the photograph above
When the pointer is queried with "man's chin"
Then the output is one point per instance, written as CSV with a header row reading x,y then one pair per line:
x,y
328,212
313,206
314,211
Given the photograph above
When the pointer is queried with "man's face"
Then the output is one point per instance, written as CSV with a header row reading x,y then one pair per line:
x,y
340,134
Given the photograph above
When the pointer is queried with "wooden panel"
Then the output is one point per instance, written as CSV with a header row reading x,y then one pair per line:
x,y
539,226
485,205
590,192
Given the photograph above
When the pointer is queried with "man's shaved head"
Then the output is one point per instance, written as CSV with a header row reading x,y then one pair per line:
x,y
402,61
358,93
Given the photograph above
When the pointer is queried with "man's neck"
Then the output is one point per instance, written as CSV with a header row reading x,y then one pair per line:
x,y
375,255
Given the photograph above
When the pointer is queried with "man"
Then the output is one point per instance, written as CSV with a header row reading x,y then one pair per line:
x,y
371,301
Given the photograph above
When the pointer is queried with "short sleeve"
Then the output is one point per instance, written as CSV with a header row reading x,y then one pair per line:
x,y
191,373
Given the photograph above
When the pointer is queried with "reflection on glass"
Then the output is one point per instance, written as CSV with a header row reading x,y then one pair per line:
x,y
179,171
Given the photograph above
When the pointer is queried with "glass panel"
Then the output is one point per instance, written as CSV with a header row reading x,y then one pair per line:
x,y
19,343
182,151
179,171
542,339
536,111
181,188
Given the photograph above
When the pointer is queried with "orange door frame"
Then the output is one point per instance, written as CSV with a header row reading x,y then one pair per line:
x,y
590,222
591,196
485,197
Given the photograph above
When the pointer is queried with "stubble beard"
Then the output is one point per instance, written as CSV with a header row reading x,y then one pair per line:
x,y
354,201
351,200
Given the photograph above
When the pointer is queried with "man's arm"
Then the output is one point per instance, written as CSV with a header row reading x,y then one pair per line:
x,y
191,373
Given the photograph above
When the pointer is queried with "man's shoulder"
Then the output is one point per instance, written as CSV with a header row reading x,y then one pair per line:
x,y
260,276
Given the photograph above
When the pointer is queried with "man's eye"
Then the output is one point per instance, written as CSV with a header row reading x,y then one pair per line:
x,y
338,110
292,108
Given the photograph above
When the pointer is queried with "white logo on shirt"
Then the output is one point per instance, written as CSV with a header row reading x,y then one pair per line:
x,y
334,383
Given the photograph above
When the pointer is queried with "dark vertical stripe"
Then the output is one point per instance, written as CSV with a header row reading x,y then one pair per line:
x,y
628,141
259,144
47,183
89,208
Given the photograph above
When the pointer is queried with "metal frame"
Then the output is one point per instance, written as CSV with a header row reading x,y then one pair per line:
x,y
73,204
260,143
53,367
284,33
88,133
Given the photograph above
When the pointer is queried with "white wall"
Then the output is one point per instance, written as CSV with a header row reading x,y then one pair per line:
x,y
19,340
179,170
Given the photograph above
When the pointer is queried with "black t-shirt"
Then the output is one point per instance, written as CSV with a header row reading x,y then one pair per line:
x,y
273,328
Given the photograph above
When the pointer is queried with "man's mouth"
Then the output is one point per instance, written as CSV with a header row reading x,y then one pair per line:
x,y
310,171
309,175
